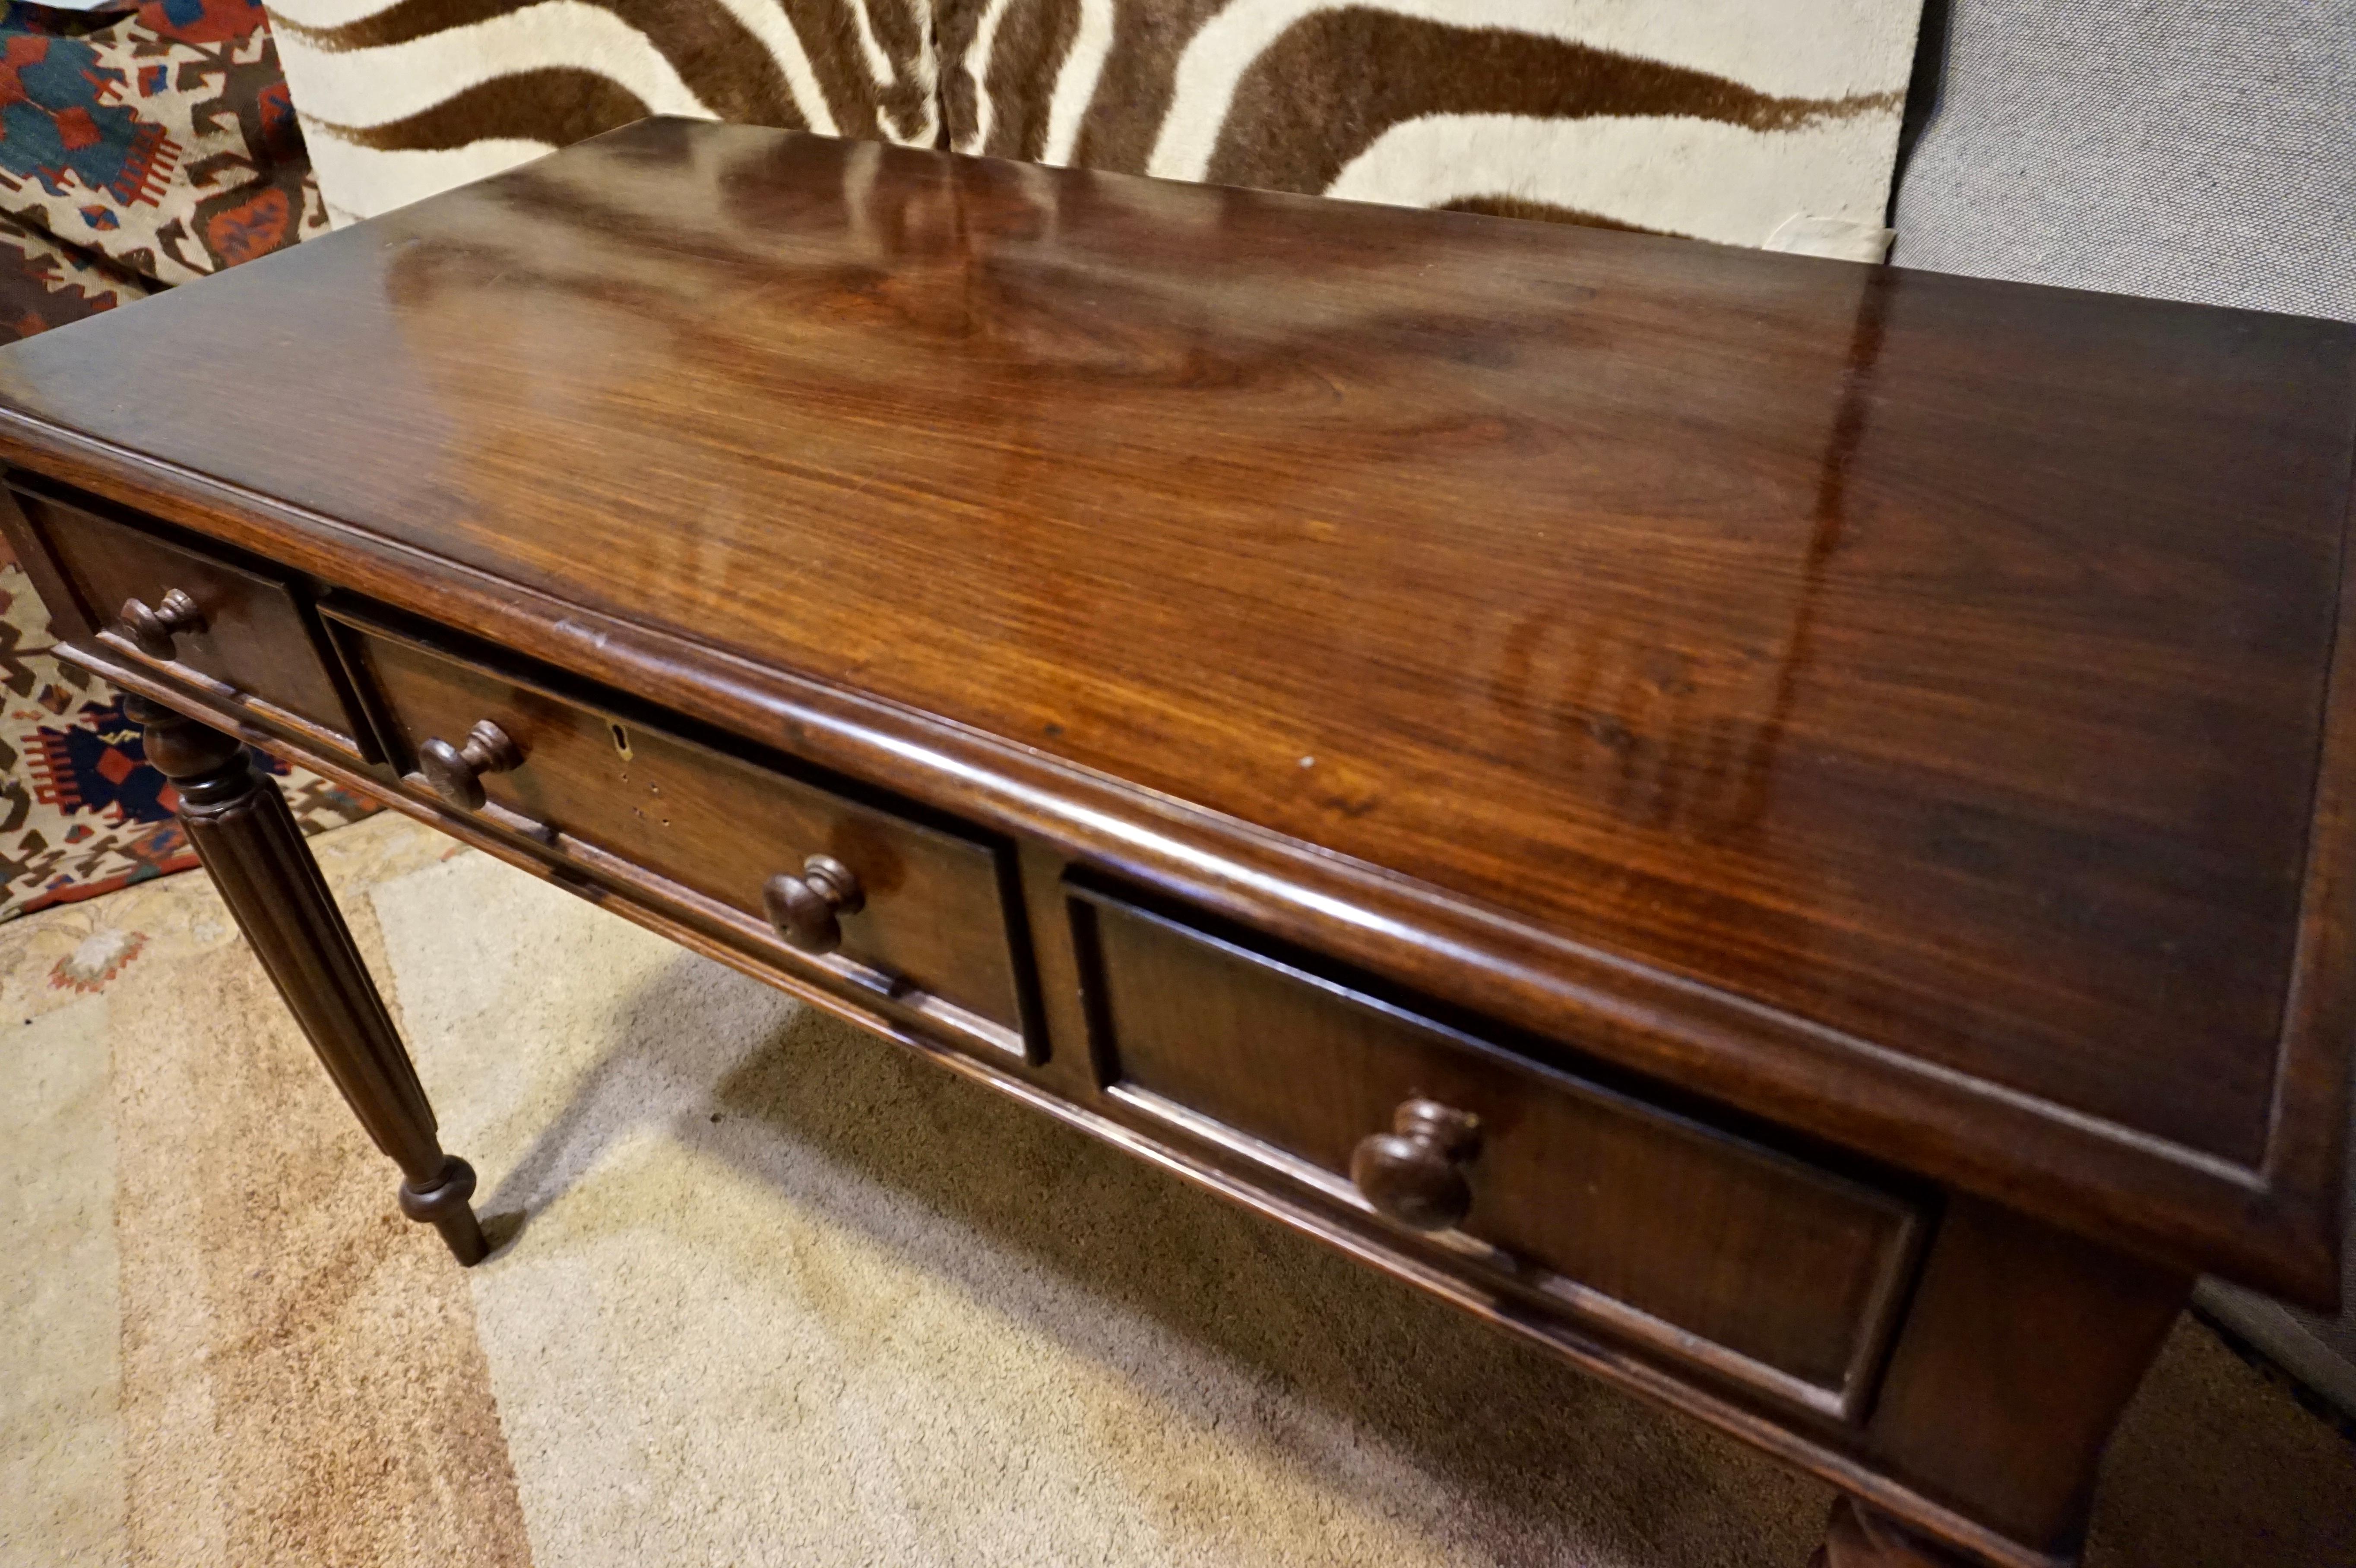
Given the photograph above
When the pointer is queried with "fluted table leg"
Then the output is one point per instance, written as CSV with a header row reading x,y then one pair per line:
x,y
247,838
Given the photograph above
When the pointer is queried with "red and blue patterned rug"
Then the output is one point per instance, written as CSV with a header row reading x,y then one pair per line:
x,y
140,148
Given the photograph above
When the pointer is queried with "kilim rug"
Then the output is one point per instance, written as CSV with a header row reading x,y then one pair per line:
x,y
140,148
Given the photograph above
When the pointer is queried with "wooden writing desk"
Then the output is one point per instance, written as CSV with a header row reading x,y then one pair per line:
x,y
1779,828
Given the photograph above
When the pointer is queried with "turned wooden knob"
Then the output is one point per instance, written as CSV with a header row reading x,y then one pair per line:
x,y
1415,1173
456,772
804,908
151,631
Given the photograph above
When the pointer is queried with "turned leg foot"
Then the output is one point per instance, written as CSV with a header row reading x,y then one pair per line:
x,y
443,1204
247,840
1857,1537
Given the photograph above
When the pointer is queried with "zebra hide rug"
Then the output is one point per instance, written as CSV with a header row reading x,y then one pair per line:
x,y
1747,121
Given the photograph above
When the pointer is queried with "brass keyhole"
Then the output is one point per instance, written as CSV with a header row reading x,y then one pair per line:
x,y
621,738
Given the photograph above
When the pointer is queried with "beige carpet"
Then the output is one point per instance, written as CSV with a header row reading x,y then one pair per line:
x,y
787,1297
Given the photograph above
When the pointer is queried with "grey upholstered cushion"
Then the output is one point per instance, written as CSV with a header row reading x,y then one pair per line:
x,y
2192,149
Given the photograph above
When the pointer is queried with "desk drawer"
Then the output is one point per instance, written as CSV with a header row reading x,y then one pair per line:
x,y
1704,1246
241,632
928,921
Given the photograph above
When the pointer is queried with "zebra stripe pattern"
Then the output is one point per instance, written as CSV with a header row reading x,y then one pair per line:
x,y
1727,120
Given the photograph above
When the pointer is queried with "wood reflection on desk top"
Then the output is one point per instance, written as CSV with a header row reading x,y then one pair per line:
x,y
1937,660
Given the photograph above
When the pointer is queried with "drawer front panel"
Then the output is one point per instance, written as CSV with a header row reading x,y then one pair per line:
x,y
934,917
1655,1224
256,639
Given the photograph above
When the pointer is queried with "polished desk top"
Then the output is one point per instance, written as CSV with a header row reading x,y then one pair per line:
x,y
1892,703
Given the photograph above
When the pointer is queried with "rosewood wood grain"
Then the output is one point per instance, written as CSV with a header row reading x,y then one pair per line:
x,y
1708,729
174,604
2021,1348
1062,1055
929,911
1887,703
242,831
1607,1208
